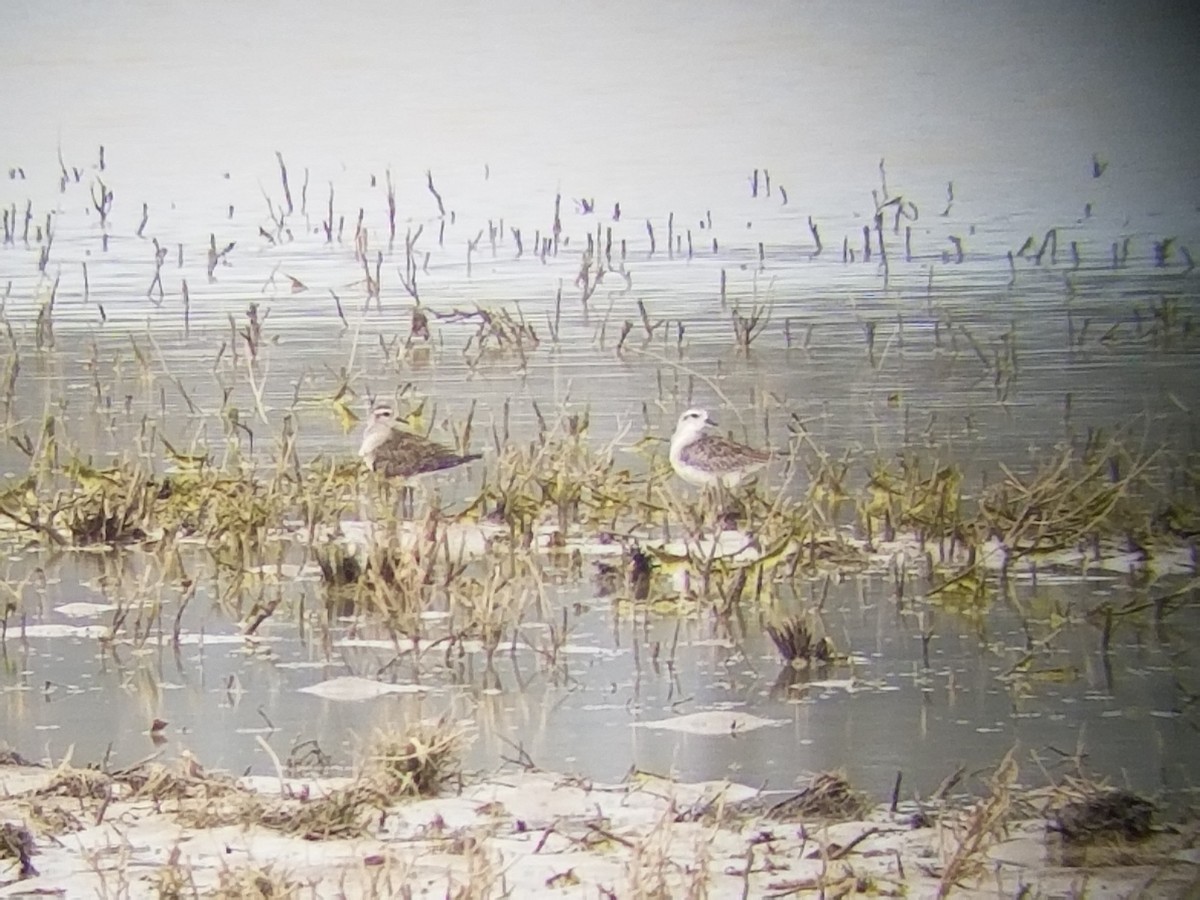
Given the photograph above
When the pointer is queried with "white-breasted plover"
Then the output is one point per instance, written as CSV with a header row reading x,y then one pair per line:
x,y
709,459
396,453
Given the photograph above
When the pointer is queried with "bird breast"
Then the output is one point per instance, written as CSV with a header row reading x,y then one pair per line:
x,y
373,438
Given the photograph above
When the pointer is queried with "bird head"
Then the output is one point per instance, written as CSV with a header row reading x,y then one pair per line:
x,y
382,414
693,422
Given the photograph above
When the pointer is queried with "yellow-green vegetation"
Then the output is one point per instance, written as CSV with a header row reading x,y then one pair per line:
x,y
1072,498
911,496
562,478
81,506
485,561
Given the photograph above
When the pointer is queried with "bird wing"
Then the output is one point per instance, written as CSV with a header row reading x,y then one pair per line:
x,y
721,454
402,454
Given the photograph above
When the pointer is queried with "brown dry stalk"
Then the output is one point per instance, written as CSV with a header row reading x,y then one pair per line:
x,y
981,828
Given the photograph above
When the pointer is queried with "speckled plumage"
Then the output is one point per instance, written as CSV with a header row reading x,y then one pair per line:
x,y
709,459
401,454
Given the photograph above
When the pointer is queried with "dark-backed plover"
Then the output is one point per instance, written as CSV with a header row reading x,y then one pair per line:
x,y
395,453
709,459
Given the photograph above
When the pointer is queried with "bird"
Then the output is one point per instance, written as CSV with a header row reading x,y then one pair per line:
x,y
709,459
394,453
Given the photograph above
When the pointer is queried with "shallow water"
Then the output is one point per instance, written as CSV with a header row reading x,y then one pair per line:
x,y
1131,721
887,712
975,362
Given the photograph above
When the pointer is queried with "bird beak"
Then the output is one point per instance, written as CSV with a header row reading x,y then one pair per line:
x,y
709,420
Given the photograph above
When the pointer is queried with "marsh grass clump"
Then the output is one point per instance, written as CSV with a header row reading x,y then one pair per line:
x,y
161,784
153,782
1090,823
779,542
418,761
1073,498
80,784
491,607
222,507
827,796
498,332
114,506
630,578
562,478
798,643
255,883
126,504
912,496
340,814
398,573
231,508
16,843
1103,814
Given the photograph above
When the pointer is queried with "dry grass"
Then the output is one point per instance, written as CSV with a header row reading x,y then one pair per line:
x,y
1102,814
1072,498
911,495
17,843
982,826
255,883
824,837
828,796
399,765
419,761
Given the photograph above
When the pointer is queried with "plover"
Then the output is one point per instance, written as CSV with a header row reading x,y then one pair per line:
x,y
390,451
709,459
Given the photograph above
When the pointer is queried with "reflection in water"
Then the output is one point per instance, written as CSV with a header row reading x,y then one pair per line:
x,y
885,711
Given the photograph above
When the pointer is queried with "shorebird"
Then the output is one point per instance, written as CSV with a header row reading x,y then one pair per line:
x,y
709,459
401,454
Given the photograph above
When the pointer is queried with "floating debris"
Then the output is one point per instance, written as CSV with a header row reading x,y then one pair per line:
x,y
712,722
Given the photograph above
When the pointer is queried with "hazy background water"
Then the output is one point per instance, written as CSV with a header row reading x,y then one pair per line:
x,y
662,108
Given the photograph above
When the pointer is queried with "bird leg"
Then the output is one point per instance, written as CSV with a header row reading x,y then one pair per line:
x,y
406,501
725,507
